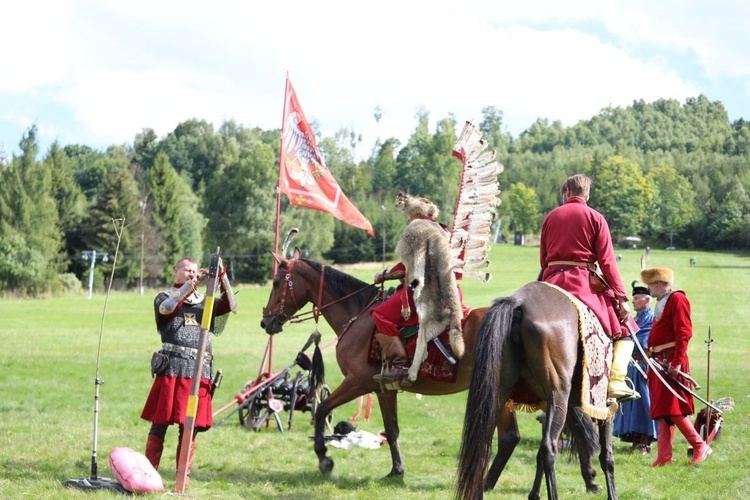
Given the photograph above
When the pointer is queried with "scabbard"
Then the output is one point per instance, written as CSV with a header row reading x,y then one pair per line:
x,y
443,350
651,363
685,388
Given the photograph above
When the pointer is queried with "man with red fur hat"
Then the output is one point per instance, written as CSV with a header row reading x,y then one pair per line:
x,y
671,332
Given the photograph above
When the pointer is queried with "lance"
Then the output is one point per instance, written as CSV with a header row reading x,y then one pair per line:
x,y
708,381
686,388
192,407
652,364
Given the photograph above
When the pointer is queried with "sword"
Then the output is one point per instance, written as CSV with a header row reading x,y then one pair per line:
x,y
686,389
638,368
443,350
652,364
681,374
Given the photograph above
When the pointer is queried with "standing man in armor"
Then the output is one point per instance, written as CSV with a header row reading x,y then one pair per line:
x,y
179,312
575,238
633,423
668,344
399,310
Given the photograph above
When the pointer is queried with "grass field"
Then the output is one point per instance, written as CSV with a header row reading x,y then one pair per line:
x,y
48,361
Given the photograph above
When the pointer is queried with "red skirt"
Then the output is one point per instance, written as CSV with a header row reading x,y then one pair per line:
x,y
168,400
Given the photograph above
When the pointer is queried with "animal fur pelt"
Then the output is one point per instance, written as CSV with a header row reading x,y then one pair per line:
x,y
425,252
414,205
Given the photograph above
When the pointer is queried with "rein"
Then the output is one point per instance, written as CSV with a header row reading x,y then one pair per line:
x,y
317,309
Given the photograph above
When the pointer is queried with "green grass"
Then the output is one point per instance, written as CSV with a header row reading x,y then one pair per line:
x,y
47,372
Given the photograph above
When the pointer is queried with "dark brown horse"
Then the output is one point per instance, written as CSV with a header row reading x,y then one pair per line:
x,y
531,336
345,302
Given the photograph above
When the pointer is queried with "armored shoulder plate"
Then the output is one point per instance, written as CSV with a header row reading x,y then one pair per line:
x,y
175,296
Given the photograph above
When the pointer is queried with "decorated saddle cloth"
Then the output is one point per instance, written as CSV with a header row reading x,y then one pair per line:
x,y
436,367
596,362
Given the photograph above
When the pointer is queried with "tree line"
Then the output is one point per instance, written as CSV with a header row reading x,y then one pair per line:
x,y
667,172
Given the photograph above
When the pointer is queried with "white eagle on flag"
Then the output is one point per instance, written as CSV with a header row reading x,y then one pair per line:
x,y
306,162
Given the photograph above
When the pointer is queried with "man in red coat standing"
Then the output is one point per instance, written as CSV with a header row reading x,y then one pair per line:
x,y
670,333
574,239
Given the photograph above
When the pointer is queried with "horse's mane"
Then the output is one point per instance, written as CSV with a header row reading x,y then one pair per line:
x,y
342,284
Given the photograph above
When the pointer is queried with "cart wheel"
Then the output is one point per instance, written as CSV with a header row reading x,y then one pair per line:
x,y
250,412
319,396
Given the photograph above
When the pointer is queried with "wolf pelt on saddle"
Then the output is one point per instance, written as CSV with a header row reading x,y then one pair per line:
x,y
425,251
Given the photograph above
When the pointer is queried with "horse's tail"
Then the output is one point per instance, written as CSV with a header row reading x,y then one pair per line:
x,y
584,434
483,403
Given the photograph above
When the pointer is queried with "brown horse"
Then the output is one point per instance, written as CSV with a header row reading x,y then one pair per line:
x,y
345,302
531,336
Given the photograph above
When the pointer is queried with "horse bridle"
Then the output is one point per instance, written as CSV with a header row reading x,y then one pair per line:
x,y
288,286
318,308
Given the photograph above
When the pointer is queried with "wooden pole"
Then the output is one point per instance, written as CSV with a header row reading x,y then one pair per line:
x,y
192,407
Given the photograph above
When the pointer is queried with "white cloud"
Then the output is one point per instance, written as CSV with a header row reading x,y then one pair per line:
x,y
99,73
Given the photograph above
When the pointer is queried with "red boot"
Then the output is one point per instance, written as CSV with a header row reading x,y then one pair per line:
x,y
154,448
701,450
665,435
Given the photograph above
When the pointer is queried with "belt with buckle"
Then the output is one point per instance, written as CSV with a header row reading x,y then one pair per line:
x,y
187,351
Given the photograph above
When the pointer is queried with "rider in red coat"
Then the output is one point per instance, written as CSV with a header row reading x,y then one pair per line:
x,y
389,316
670,333
574,238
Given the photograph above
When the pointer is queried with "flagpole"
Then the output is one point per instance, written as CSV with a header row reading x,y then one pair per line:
x,y
269,347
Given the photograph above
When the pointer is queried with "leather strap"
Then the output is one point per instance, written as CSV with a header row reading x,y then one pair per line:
x,y
187,351
567,263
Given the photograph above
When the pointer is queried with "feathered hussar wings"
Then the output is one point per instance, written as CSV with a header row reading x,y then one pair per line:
x,y
478,195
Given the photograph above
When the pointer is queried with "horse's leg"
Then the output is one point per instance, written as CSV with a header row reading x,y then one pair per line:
x,y
557,407
585,437
607,458
344,393
508,437
389,410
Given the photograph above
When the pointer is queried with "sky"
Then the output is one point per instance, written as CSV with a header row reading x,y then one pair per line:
x,y
97,73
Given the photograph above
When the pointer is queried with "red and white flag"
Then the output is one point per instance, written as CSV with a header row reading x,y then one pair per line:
x,y
303,175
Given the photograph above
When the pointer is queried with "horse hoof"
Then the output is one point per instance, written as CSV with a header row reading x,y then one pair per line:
x,y
394,476
326,466
594,488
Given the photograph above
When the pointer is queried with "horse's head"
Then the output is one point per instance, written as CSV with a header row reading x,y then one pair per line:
x,y
289,293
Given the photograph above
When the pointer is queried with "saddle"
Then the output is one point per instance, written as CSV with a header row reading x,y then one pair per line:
x,y
437,366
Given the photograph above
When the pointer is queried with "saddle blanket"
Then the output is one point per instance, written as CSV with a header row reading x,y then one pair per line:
x,y
436,367
596,362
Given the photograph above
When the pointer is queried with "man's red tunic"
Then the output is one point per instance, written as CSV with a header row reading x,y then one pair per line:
x,y
674,324
576,232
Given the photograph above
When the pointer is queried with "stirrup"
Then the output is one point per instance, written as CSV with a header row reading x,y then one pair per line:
x,y
392,383
622,396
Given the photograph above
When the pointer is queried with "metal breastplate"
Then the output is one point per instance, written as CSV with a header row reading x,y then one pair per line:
x,y
184,329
